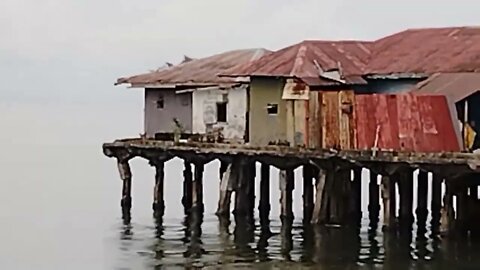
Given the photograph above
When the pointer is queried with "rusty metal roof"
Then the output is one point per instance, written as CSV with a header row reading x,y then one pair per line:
x,y
455,85
196,72
406,122
427,51
308,59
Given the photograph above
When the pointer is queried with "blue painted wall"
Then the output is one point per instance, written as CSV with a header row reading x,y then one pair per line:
x,y
387,86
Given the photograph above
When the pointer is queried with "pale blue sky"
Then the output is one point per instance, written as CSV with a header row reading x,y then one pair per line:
x,y
72,50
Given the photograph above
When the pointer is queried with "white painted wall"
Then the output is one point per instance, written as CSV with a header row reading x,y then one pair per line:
x,y
205,111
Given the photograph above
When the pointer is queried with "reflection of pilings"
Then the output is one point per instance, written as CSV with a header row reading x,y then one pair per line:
x,y
187,187
436,203
126,176
422,198
308,171
194,232
286,239
405,184
389,201
226,188
356,199
197,188
286,188
158,194
373,198
264,205
244,234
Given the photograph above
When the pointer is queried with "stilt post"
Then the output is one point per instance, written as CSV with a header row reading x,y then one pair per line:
x,y
422,200
264,205
197,188
286,188
373,198
356,200
126,176
436,203
320,205
389,201
308,171
226,188
158,191
405,185
187,187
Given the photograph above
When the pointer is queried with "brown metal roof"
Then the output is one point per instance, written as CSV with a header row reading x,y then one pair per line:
x,y
196,72
427,51
301,60
406,122
455,85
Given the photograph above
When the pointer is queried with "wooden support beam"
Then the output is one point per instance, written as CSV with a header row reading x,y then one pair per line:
x,y
356,196
197,188
405,184
320,190
286,188
389,201
308,171
264,205
223,168
226,189
158,191
373,198
187,187
436,203
422,198
126,176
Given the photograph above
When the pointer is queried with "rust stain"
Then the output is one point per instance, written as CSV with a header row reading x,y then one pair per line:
x,y
405,122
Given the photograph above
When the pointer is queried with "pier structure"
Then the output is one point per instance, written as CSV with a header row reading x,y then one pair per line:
x,y
332,182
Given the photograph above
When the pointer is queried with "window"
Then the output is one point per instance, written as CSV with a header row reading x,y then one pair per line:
x,y
160,102
272,109
222,112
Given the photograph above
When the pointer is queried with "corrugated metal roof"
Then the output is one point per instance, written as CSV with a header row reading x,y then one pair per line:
x,y
406,122
427,51
196,72
455,85
308,59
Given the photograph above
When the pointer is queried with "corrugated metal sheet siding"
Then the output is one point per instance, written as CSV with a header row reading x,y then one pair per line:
x,y
405,122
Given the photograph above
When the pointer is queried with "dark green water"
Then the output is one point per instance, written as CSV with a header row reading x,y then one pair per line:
x,y
60,210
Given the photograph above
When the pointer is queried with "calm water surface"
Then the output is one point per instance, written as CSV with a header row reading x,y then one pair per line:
x,y
60,210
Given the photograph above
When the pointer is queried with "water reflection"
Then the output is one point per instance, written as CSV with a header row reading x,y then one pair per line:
x,y
220,242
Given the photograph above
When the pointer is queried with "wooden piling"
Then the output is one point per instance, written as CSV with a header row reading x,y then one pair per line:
x,y
286,188
405,184
319,206
126,176
447,211
187,187
422,197
339,197
226,189
158,192
242,204
250,174
197,188
223,168
308,171
389,201
373,198
462,208
436,203
264,205
356,198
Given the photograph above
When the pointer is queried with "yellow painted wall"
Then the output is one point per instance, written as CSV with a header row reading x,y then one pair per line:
x,y
265,128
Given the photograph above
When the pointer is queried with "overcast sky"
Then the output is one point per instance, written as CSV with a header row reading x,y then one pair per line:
x,y
73,50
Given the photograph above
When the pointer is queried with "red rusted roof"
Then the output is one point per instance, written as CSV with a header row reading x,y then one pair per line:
x,y
455,85
301,60
406,122
427,51
196,72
